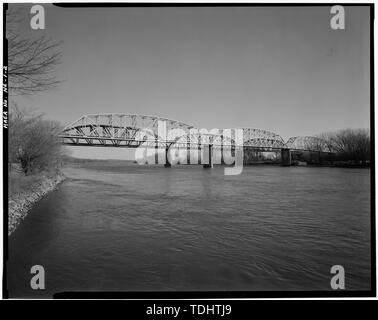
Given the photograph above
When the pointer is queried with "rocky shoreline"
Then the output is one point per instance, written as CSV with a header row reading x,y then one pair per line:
x,y
19,204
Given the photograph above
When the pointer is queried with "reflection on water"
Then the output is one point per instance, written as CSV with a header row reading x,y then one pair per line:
x,y
117,226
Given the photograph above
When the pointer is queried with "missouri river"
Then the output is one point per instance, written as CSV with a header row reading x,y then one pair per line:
x,y
115,226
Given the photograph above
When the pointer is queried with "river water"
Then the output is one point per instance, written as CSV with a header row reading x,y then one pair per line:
x,y
116,226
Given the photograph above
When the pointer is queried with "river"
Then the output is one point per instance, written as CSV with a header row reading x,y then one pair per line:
x,y
113,225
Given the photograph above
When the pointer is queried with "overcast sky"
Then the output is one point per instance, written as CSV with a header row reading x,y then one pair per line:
x,y
281,69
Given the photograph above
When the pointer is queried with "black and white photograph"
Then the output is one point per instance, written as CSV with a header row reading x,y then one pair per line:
x,y
193,150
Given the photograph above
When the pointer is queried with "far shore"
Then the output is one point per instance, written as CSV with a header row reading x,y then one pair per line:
x,y
337,164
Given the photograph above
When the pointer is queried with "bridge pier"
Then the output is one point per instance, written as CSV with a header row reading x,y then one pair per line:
x,y
210,164
285,157
156,151
167,163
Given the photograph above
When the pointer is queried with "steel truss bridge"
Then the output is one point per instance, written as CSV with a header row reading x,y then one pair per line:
x,y
134,130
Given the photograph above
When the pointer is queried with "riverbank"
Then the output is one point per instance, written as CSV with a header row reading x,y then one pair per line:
x,y
25,191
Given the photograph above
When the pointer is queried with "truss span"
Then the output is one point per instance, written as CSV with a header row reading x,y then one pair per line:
x,y
258,138
131,130
196,139
307,143
116,129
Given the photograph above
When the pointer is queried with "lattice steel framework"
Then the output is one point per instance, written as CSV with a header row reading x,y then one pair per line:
x,y
307,143
117,130
131,130
258,138
196,139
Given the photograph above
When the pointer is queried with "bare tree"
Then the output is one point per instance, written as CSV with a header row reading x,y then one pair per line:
x,y
17,121
349,144
34,141
31,62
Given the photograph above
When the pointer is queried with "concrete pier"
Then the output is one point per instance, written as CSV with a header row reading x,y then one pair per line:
x,y
285,157
167,163
210,164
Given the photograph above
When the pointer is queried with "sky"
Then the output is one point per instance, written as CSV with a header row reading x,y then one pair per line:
x,y
281,69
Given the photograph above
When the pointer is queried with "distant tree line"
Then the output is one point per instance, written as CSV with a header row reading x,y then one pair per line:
x,y
349,144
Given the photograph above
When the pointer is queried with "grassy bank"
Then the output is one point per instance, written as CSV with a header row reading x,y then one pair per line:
x,y
25,191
